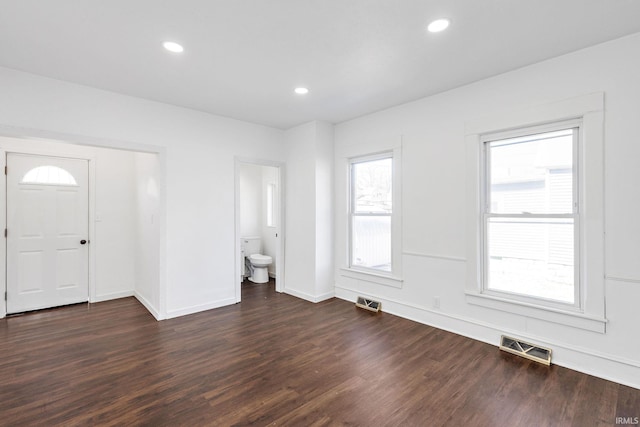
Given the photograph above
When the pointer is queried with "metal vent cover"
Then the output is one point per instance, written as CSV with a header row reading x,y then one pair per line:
x,y
368,304
522,348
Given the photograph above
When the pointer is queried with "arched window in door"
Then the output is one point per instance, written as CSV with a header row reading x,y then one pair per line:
x,y
48,175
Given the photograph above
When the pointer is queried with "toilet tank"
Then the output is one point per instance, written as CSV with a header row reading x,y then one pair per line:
x,y
251,245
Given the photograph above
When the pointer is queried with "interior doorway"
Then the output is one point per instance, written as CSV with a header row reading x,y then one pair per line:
x,y
259,221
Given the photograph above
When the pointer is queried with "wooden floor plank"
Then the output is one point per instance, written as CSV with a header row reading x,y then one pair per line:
x,y
277,360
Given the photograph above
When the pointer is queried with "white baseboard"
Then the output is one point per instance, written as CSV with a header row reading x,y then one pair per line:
x,y
113,295
325,296
309,297
198,308
155,313
609,367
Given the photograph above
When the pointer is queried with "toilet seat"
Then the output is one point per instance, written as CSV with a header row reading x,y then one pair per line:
x,y
260,260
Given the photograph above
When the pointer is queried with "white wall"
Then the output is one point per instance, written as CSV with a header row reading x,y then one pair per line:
x,y
309,207
300,204
115,223
196,161
147,237
251,203
434,204
112,242
324,209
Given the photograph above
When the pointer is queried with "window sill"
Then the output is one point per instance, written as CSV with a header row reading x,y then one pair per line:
x,y
567,318
377,278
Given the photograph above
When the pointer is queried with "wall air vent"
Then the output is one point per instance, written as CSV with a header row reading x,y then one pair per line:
x,y
368,304
525,349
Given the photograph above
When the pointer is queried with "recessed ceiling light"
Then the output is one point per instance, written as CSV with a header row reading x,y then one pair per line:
x,y
438,25
301,90
173,47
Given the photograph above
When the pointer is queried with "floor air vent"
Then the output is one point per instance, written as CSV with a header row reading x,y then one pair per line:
x,y
368,304
525,349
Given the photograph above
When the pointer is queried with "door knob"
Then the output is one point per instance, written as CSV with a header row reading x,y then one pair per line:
x,y
82,242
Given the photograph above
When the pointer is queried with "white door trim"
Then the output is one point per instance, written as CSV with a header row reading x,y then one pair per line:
x,y
86,141
280,240
3,246
3,215
78,165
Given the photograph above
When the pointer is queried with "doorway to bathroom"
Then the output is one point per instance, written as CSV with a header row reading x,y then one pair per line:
x,y
259,224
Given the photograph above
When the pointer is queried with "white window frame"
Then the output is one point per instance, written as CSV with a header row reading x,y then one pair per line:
x,y
353,214
590,314
271,198
575,215
394,277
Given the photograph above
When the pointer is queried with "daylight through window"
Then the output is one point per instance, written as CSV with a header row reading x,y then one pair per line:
x,y
48,175
370,211
531,216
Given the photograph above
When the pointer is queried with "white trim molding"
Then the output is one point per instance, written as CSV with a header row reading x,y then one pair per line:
x,y
198,308
308,297
622,279
434,256
150,308
112,296
371,277
567,318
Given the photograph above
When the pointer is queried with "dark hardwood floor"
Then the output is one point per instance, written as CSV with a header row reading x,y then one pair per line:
x,y
278,360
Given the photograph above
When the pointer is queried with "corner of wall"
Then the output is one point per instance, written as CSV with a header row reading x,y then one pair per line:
x,y
154,312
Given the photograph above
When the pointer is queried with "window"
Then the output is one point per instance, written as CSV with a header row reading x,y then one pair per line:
x,y
48,175
535,217
271,188
531,215
371,211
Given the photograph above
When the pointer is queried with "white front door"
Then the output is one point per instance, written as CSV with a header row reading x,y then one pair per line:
x,y
47,232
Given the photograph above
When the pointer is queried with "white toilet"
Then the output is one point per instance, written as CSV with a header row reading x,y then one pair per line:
x,y
256,263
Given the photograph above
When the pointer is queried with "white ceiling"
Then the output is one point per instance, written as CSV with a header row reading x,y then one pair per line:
x,y
243,58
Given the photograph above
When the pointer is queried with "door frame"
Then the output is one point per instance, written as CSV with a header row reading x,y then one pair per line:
x,y
280,239
91,211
